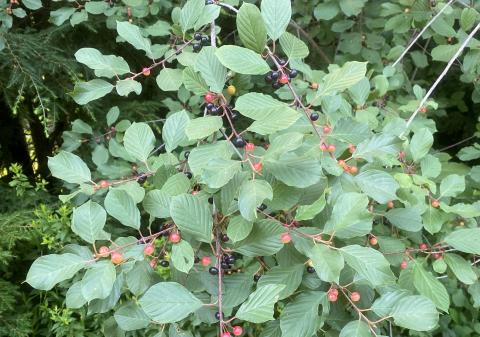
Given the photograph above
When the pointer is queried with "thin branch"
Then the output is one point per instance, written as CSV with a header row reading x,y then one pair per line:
x,y
442,75
412,43
230,7
311,41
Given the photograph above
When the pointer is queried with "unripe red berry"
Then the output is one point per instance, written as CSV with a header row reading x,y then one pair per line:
x,y
423,109
323,147
373,241
146,71
149,249
249,147
209,97
332,297
342,163
104,184
116,258
103,251
437,256
226,334
314,85
283,79
353,169
237,330
331,148
435,203
390,205
423,246
355,296
174,237
258,167
206,260
404,264
334,291
153,263
326,129
402,155
286,238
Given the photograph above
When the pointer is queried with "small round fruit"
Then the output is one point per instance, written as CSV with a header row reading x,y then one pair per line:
x,y
205,40
148,249
209,106
206,260
373,241
332,297
314,85
275,75
323,147
423,109
331,148
237,330
286,238
231,90
404,265
310,270
189,175
282,62
326,129
256,277
402,155
293,73
226,334
258,167
116,257
268,77
435,203
262,207
437,255
164,263
239,142
209,97
196,47
353,169
355,296
276,85
314,116
146,71
186,154
249,147
153,263
342,163
197,36
334,291
174,237
213,270
225,238
423,246
103,251
283,79
104,184
390,205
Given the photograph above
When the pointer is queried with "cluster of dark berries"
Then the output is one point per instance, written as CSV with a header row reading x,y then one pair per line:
x,y
279,78
228,261
200,41
212,109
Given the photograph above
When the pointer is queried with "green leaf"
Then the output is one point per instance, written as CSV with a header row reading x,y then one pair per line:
x,y
443,28
96,7
369,263
169,79
85,92
140,277
127,86
421,143
74,298
416,313
251,28
194,82
465,240
328,263
430,287
350,131
169,302
120,205
219,172
80,126
242,60
132,35
461,268
139,141
290,276
88,221
259,306
59,16
381,146
293,47
342,78
276,14
211,69
444,52
356,328
98,281
378,185
252,194
32,4
201,156
452,185
69,167
203,127
431,166
112,115
299,318
264,240
270,115
131,317
308,212
104,65
193,216
209,14
48,270
183,256
238,228
349,208
468,18
190,13
295,171
408,219
351,8
173,132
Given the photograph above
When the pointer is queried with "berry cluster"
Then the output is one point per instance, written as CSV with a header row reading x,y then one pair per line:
x,y
281,77
200,41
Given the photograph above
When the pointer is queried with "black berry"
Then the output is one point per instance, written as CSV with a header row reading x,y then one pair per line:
x,y
141,179
276,85
225,238
310,270
231,259
268,77
314,116
210,200
214,111
293,73
205,40
197,36
197,259
234,115
186,154
225,265
262,207
189,175
213,271
256,277
210,106
239,142
218,315
164,263
282,62
275,75
197,47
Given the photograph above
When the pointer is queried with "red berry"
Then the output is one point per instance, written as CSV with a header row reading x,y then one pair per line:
x,y
326,129
331,148
404,264
353,169
146,71
103,251
390,205
332,297
402,155
283,79
258,167
149,249
237,330
286,238
206,260
355,296
373,241
435,203
226,334
423,246
209,97
334,291
153,263
104,184
116,258
174,237
423,109
323,147
437,256
249,147
342,163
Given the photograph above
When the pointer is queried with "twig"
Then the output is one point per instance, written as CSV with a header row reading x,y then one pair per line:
x,y
421,32
230,7
442,75
311,41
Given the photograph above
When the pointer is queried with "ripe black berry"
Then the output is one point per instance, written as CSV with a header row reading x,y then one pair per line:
x,y
276,85
262,207
231,259
239,142
213,270
214,111
234,115
197,259
310,270
293,73
225,238
197,47
218,315
210,200
225,265
197,36
275,75
189,175
282,62
205,40
256,277
209,106
141,179
268,77
186,154
314,116
164,263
